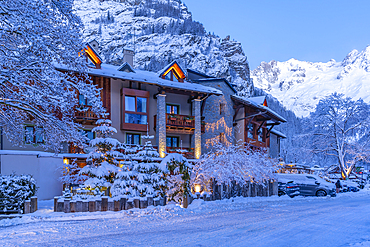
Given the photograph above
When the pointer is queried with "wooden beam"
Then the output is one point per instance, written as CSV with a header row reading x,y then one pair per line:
x,y
259,127
236,111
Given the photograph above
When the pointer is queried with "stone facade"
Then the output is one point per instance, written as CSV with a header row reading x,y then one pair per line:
x,y
161,124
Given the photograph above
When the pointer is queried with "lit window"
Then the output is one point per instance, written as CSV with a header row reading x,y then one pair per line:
x,y
172,109
134,109
136,105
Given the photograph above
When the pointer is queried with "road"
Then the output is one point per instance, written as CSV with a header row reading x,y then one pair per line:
x,y
341,221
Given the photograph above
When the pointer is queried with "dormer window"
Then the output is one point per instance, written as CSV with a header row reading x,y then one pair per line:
x,y
172,76
173,72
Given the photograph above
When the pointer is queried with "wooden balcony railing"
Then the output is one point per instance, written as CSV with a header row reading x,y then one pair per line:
x,y
85,115
180,122
187,152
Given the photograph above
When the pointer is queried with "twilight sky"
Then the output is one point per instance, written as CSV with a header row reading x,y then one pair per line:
x,y
309,30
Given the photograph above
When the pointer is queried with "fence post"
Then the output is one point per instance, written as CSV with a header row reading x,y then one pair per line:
x,y
136,202
27,206
78,205
117,206
60,206
150,201
67,206
73,206
55,203
98,205
33,204
143,202
104,203
275,188
129,204
92,206
123,203
85,206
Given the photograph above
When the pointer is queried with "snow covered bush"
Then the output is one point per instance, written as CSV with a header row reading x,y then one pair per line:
x,y
102,164
176,171
237,163
16,189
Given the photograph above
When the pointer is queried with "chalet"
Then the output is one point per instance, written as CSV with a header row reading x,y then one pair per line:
x,y
184,110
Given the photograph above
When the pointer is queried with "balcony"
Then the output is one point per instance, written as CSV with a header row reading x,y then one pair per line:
x,y
85,116
180,124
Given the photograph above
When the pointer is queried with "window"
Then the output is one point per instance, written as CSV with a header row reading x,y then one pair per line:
x,y
135,109
83,101
89,134
172,76
260,135
251,131
172,109
132,138
172,141
33,135
222,108
222,138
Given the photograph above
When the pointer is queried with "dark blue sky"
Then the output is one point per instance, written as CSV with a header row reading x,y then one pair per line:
x,y
310,30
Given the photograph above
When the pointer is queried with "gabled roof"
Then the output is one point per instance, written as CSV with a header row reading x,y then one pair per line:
x,y
175,66
93,55
248,102
207,78
260,100
198,73
126,66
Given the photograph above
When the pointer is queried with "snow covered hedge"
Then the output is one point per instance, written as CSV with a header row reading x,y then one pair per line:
x,y
15,189
238,163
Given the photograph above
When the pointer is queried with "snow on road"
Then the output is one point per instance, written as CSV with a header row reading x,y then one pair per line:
x,y
274,221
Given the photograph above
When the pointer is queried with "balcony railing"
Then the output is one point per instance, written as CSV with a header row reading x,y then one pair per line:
x,y
85,115
180,122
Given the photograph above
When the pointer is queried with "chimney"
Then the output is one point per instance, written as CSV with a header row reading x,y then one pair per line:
x,y
128,56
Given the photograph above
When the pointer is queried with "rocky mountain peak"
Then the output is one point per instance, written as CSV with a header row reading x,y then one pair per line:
x,y
160,31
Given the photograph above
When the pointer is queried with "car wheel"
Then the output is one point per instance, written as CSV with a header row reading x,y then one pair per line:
x,y
321,193
281,193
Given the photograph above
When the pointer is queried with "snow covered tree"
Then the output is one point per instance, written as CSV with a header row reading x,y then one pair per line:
x,y
35,37
70,174
148,174
176,171
340,127
230,163
102,164
126,182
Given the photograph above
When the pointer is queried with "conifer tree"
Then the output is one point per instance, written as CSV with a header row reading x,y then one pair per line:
x,y
102,164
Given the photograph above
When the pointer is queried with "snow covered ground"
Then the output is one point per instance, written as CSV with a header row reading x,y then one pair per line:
x,y
273,221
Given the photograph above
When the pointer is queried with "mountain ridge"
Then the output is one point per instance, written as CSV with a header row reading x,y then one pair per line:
x,y
299,85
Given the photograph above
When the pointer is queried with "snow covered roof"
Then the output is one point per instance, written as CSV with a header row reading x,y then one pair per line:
x,y
126,66
277,133
148,77
249,102
207,78
260,100
217,79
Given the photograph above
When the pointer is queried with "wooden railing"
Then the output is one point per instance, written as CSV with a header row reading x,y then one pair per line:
x,y
85,115
180,121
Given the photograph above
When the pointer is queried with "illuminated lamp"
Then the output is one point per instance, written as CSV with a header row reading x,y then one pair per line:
x,y
197,188
65,161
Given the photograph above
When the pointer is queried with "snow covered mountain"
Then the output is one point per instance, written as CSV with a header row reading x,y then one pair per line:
x,y
160,31
299,85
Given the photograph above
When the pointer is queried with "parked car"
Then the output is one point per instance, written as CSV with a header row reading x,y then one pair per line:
x,y
309,185
289,188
